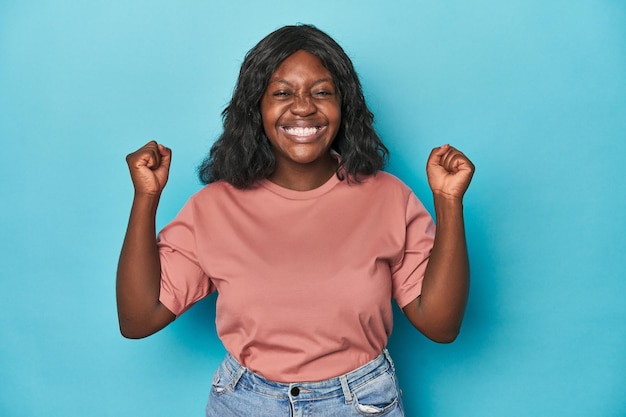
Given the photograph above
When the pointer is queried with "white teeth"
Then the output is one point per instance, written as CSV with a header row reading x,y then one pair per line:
x,y
301,131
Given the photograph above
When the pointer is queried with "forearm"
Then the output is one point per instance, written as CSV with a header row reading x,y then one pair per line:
x,y
439,311
139,272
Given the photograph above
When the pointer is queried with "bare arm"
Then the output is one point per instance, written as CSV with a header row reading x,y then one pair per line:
x,y
140,313
438,311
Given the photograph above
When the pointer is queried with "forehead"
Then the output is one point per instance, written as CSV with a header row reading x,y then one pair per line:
x,y
301,65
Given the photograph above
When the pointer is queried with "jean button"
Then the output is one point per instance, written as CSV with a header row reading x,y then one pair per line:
x,y
295,391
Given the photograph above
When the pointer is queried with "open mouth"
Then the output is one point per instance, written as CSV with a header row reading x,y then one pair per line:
x,y
302,131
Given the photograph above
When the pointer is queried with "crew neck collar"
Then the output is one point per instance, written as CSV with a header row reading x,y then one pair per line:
x,y
301,195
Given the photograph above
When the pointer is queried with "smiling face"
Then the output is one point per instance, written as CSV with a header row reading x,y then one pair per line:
x,y
301,111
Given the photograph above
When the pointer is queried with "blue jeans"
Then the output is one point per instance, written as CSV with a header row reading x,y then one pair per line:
x,y
370,390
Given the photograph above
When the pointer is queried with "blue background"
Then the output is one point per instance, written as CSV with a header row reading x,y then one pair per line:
x,y
533,91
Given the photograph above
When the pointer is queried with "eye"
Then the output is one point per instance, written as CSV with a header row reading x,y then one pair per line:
x,y
281,94
323,94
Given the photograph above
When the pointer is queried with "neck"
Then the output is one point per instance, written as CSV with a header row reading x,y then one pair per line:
x,y
304,177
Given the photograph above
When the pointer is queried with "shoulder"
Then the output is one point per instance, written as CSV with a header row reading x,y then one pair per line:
x,y
214,188
221,189
379,192
223,194
210,194
387,178
386,184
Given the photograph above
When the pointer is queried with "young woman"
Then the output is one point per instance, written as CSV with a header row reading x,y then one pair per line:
x,y
305,239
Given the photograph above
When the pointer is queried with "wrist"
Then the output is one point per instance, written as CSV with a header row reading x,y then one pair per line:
x,y
146,201
447,199
446,205
147,195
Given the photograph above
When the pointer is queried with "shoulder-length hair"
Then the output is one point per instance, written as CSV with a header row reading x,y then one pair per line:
x,y
242,155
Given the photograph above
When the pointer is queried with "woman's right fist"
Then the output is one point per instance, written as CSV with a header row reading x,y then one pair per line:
x,y
149,168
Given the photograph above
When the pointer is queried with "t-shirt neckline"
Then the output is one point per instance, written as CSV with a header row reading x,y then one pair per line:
x,y
301,195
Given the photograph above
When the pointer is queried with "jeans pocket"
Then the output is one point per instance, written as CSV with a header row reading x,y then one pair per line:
x,y
378,396
222,380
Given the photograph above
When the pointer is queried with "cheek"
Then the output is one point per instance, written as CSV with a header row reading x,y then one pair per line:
x,y
271,113
336,115
263,108
267,119
337,106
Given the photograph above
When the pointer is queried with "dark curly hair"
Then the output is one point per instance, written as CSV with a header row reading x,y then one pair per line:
x,y
243,155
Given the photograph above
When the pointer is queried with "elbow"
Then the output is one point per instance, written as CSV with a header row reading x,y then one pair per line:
x,y
444,336
131,334
137,325
440,327
129,331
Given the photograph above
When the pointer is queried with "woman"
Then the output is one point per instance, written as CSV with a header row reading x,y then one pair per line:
x,y
304,238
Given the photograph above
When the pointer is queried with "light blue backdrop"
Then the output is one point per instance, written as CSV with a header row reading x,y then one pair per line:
x,y
533,91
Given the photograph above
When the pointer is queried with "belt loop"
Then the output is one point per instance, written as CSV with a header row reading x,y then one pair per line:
x,y
388,356
346,389
237,377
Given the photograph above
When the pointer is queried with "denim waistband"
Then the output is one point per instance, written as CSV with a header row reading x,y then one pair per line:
x,y
332,387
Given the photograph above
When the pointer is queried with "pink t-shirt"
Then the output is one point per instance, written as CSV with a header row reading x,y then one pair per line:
x,y
304,278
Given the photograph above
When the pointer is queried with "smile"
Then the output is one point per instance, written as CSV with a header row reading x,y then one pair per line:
x,y
302,131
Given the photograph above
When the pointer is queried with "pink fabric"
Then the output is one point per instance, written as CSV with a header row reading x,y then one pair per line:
x,y
304,279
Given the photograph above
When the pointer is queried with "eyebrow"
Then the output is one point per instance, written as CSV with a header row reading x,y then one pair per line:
x,y
283,81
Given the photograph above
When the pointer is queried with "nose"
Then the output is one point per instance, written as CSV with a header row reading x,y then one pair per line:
x,y
303,105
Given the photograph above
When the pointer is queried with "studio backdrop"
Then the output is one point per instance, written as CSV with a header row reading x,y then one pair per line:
x,y
534,92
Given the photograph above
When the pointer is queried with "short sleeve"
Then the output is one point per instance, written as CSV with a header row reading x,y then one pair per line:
x,y
408,275
183,282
